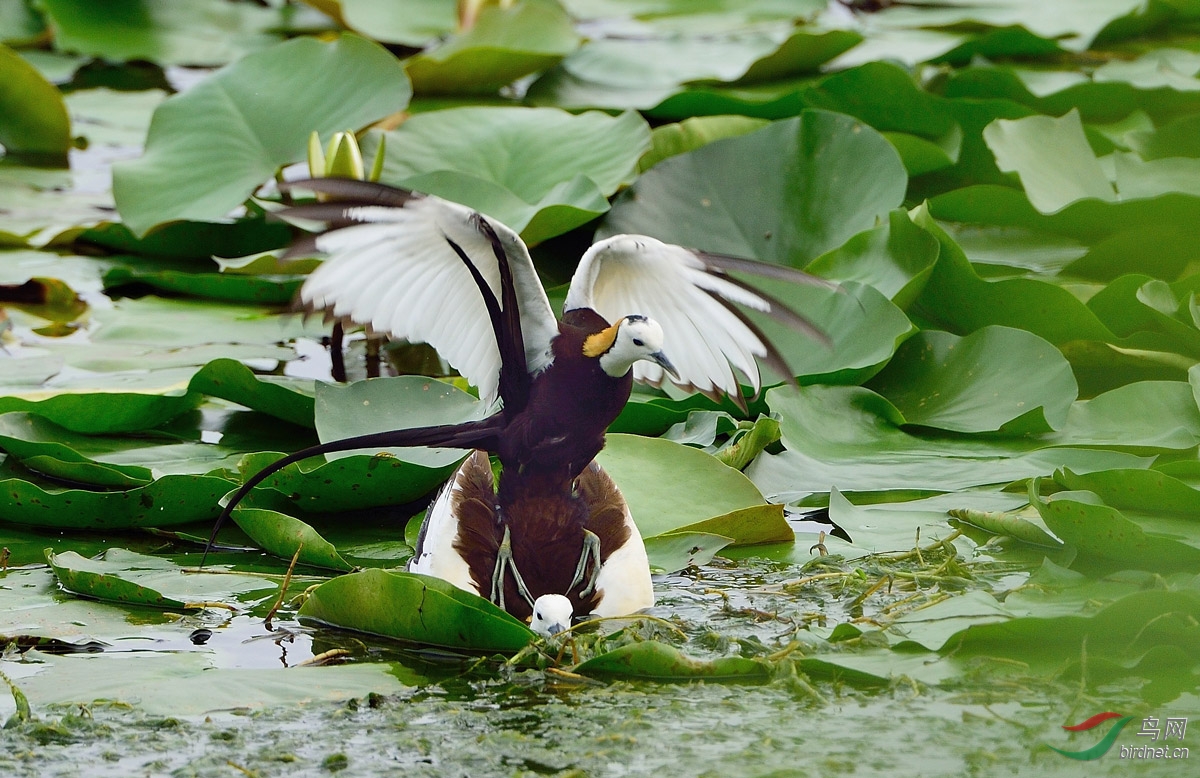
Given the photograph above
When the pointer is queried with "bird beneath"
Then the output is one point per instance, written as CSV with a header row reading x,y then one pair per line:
x,y
424,269
464,531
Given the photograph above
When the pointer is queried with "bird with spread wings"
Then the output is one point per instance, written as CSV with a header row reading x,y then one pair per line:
x,y
424,269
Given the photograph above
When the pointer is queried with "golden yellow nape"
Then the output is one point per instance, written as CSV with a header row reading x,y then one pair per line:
x,y
602,341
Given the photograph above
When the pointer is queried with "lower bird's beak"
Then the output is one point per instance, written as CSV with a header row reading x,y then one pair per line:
x,y
554,629
665,363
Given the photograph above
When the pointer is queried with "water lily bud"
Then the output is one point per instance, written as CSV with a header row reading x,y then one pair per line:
x,y
377,165
343,157
316,157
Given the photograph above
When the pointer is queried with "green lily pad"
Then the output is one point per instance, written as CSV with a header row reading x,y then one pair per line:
x,y
201,242
210,147
289,399
283,535
1177,138
674,551
882,529
1145,414
414,24
864,326
1046,310
896,258
505,44
105,412
416,608
701,487
1007,525
168,501
36,441
1125,629
811,184
650,414
669,140
1101,531
402,402
205,32
701,429
747,526
541,171
263,290
111,119
995,379
83,576
21,25
849,437
186,683
658,661
170,324
1140,490
1052,157
352,482
33,117
642,72
138,579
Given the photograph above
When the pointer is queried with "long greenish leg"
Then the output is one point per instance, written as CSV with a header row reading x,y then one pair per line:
x,y
504,563
591,550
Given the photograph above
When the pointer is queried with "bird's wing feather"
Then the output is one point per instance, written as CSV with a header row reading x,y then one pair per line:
x,y
398,263
689,293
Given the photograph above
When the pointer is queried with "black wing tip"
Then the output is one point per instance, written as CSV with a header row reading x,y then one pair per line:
x,y
777,310
353,190
726,262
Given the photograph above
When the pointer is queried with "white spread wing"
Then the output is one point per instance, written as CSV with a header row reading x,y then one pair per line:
x,y
689,294
395,269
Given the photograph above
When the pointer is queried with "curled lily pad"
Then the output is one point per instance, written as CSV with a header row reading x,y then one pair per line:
x,y
1147,542
265,290
33,117
661,662
1007,524
669,140
287,399
138,579
170,500
416,608
102,412
37,442
283,535
84,576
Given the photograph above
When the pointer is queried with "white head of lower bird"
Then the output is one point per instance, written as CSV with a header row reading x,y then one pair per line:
x,y
551,614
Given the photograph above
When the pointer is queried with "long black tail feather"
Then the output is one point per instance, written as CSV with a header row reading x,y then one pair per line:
x,y
483,434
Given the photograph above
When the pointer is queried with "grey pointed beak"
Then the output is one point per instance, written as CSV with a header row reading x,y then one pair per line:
x,y
554,629
665,363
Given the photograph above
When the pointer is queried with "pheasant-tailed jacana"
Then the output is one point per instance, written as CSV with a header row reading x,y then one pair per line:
x,y
465,530
425,269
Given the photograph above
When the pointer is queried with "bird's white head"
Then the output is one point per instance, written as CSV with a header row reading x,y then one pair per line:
x,y
631,339
551,614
